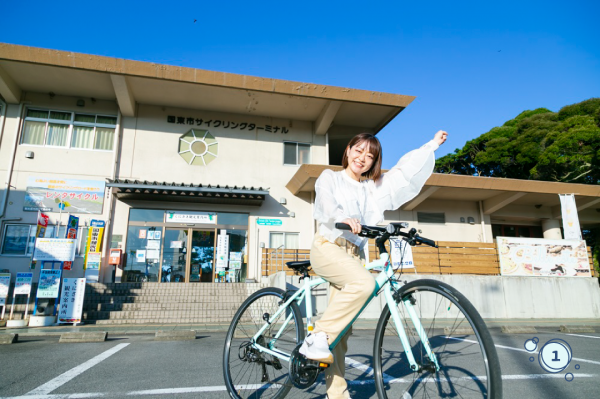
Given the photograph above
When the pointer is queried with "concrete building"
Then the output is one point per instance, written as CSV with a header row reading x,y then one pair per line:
x,y
194,170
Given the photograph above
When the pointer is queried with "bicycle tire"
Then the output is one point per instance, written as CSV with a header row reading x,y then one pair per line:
x,y
244,378
461,342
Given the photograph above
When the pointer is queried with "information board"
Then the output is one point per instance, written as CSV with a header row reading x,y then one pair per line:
x,y
4,284
55,249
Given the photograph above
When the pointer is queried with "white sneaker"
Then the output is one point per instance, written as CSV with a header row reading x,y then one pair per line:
x,y
316,347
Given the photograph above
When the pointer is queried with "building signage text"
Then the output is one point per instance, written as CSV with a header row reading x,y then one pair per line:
x,y
180,120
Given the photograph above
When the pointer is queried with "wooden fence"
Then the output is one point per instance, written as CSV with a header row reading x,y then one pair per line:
x,y
450,258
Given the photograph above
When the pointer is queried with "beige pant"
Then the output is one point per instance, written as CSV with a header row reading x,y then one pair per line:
x,y
351,285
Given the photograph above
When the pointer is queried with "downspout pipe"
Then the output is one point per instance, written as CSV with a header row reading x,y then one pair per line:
x,y
9,169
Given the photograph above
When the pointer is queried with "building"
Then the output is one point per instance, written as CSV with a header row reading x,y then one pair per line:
x,y
193,171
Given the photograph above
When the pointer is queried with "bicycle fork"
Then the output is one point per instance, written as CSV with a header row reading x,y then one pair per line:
x,y
407,302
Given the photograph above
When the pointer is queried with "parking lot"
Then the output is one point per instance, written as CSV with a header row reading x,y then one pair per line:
x,y
137,365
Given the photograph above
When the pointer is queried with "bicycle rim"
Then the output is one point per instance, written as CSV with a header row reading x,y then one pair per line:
x,y
249,373
465,352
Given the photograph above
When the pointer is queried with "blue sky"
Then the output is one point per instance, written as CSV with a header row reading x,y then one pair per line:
x,y
472,65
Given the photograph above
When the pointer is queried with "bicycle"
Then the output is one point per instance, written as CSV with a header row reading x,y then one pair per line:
x,y
453,356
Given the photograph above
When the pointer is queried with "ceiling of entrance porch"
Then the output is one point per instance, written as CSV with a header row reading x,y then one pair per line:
x,y
29,69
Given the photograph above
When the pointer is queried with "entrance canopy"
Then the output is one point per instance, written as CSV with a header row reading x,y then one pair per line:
x,y
131,190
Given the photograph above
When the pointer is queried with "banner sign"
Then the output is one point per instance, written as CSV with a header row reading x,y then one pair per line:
x,y
190,217
540,257
94,240
268,222
49,283
23,283
570,218
72,227
70,195
222,250
71,300
42,224
54,249
4,284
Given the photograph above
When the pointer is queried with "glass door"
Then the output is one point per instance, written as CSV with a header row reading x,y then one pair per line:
x,y
202,256
174,261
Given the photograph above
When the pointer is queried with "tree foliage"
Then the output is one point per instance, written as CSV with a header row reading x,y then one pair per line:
x,y
539,144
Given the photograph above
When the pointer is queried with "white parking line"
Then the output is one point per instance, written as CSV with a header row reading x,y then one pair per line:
x,y
74,372
221,388
523,350
584,336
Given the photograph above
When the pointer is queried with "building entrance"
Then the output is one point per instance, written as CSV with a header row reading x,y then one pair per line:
x,y
188,255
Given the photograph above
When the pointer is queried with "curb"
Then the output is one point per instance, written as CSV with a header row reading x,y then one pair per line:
x,y
175,335
577,329
518,330
7,339
71,337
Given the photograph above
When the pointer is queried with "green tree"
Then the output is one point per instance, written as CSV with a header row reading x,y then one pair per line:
x,y
539,144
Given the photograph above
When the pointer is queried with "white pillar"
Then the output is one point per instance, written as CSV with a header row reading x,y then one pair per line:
x,y
551,228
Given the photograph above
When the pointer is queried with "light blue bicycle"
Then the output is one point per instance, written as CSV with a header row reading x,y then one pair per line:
x,y
430,342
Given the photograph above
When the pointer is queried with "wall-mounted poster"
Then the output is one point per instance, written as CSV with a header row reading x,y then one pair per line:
x,y
49,194
540,257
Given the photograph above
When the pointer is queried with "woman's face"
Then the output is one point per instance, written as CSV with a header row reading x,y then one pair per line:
x,y
360,159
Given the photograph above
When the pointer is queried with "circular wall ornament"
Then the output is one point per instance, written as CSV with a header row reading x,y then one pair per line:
x,y
198,147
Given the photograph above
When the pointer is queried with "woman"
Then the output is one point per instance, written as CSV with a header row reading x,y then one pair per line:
x,y
356,195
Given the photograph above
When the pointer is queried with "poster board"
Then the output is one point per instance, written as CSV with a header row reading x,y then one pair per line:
x,y
71,300
23,283
49,283
540,257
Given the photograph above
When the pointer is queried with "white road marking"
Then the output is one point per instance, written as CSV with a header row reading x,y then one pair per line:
x,y
74,372
221,388
523,350
585,336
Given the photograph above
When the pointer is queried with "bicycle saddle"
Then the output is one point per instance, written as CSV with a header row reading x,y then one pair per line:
x,y
300,266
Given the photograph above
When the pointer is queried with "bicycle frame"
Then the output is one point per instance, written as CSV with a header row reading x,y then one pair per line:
x,y
381,281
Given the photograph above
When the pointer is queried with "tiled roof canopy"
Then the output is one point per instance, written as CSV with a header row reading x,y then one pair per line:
x,y
134,190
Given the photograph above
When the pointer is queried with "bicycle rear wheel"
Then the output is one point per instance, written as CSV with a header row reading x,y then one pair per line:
x,y
465,351
248,372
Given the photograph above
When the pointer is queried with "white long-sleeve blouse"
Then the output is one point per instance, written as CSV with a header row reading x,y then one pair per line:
x,y
339,197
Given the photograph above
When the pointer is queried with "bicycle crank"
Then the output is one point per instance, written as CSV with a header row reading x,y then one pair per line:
x,y
304,372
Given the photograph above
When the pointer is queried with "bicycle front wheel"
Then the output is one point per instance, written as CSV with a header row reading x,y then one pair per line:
x,y
465,352
250,373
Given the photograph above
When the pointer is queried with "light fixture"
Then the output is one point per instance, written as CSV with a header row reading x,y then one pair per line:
x,y
262,244
471,220
80,103
538,206
282,200
29,154
462,219
292,214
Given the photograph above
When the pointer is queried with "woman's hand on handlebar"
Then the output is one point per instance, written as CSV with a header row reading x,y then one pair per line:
x,y
354,224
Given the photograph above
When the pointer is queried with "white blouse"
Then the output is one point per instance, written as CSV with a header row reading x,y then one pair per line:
x,y
340,197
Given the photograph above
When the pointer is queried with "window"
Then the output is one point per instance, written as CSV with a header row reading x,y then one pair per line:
x,y
426,217
69,130
288,240
19,239
296,153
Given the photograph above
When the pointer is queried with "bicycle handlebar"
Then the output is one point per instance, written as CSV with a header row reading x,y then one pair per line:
x,y
393,229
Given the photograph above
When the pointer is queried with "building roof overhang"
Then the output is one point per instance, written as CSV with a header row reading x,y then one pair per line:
x,y
30,69
133,190
494,193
